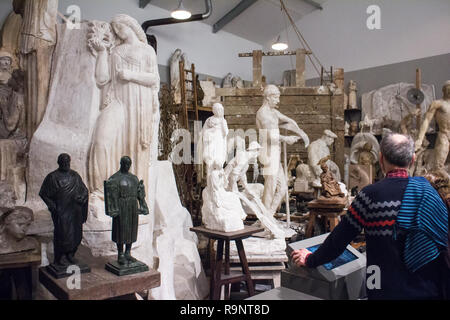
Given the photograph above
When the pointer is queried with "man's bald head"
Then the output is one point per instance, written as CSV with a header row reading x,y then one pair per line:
x,y
398,149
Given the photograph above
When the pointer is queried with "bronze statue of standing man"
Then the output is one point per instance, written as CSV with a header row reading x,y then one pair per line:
x,y
124,202
66,197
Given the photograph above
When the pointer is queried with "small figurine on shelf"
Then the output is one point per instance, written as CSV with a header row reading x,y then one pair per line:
x,y
330,187
124,202
66,197
352,104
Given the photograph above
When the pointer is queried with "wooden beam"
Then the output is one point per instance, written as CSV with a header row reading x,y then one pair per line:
x,y
143,3
314,4
300,68
257,68
233,13
275,53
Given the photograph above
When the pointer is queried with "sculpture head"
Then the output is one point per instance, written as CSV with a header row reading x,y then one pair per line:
x,y
125,27
272,95
218,110
125,164
352,85
253,150
16,222
6,61
64,162
446,90
396,151
328,137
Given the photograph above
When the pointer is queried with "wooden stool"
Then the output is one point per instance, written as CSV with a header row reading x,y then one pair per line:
x,y
223,238
330,211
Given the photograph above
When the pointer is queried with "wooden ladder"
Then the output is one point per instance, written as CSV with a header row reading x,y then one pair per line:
x,y
188,93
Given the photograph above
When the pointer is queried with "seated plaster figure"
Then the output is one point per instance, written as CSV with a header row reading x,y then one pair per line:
x,y
221,210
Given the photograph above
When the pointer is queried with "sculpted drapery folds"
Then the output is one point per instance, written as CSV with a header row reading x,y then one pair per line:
x,y
128,122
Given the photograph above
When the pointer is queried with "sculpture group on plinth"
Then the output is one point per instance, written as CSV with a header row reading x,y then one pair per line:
x,y
66,197
124,202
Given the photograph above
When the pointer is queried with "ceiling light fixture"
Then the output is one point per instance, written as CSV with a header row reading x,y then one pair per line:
x,y
181,13
279,45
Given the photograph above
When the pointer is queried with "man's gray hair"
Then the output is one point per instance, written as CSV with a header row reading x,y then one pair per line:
x,y
398,149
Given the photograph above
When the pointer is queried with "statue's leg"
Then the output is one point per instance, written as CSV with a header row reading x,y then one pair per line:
x,y
71,257
58,256
269,191
121,257
281,189
440,151
128,253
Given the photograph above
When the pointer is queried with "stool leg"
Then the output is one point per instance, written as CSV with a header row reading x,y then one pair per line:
x,y
245,269
215,282
310,227
333,222
227,268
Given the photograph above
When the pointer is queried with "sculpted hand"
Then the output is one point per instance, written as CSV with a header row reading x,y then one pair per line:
x,y
125,75
98,45
299,256
291,139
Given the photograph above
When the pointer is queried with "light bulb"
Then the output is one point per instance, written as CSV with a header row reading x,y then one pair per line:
x,y
279,45
181,13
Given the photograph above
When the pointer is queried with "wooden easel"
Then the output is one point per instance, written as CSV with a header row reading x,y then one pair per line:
x,y
257,64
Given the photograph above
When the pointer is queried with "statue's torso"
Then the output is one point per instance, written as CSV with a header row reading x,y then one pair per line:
x,y
443,117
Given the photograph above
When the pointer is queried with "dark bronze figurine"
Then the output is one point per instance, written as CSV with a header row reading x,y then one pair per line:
x,y
124,202
66,197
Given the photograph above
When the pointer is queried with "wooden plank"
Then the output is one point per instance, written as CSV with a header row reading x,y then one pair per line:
x,y
290,91
275,53
300,68
314,119
288,110
100,284
241,234
257,68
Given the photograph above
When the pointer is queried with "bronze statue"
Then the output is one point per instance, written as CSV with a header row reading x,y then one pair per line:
x,y
66,197
123,193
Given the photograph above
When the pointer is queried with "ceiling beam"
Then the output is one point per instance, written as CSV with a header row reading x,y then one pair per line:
x,y
314,4
233,13
143,3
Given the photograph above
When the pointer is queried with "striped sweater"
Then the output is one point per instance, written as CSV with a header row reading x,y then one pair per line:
x,y
375,210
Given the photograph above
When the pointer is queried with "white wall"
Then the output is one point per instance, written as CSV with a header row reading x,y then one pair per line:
x,y
411,29
212,54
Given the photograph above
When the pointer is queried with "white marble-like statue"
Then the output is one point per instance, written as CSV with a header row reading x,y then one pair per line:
x,y
175,75
129,120
237,82
440,110
236,172
269,121
221,210
318,150
212,144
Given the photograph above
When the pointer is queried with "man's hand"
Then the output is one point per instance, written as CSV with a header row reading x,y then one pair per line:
x,y
299,256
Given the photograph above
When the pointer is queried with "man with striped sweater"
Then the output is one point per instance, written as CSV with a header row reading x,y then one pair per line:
x,y
406,226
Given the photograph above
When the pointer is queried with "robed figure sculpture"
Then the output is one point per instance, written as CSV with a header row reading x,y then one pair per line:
x,y
66,197
124,202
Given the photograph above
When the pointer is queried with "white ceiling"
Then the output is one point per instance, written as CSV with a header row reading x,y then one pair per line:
x,y
262,22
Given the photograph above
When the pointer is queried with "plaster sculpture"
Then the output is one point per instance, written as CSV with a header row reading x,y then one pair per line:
x,y
237,82
318,150
387,110
175,75
38,40
129,118
221,209
440,110
10,37
364,149
359,177
347,128
236,172
175,247
66,197
226,82
352,89
209,90
212,144
124,202
304,179
269,121
14,223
